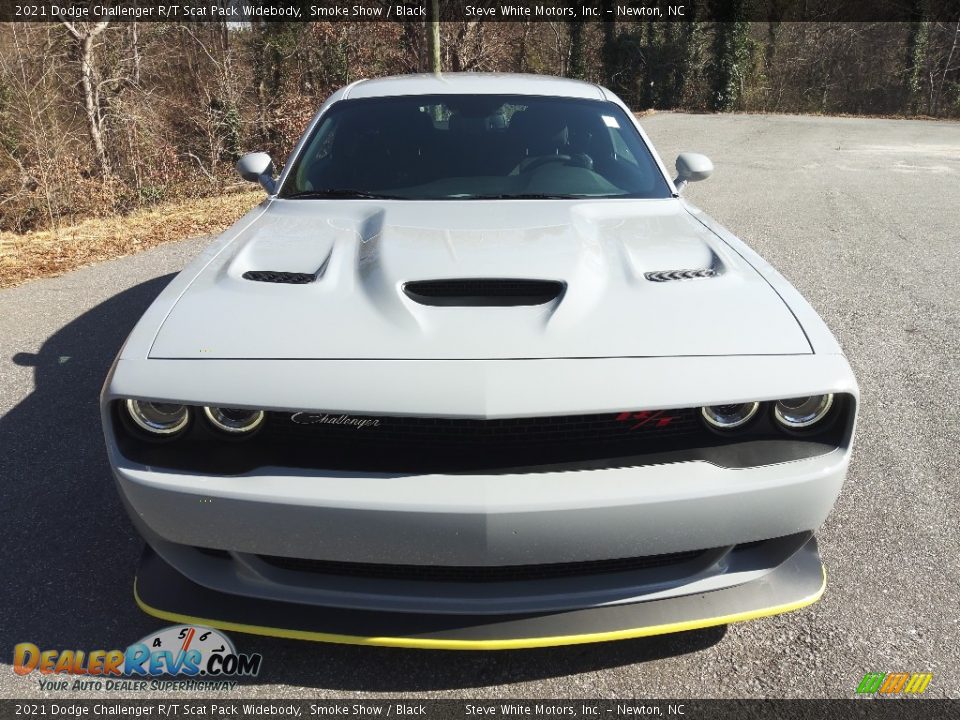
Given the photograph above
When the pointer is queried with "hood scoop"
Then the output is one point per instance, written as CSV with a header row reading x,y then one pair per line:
x,y
279,276
667,275
483,292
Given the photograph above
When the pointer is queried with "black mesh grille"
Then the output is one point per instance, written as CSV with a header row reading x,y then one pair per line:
x,y
432,432
478,292
481,574
423,444
276,276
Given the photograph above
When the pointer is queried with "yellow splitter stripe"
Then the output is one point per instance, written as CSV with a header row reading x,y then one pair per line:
x,y
511,644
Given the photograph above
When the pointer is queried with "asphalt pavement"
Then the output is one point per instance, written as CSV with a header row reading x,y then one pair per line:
x,y
862,215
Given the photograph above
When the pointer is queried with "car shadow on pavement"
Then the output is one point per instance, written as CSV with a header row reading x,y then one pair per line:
x,y
391,670
71,552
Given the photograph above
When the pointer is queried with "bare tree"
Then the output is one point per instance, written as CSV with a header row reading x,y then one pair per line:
x,y
466,50
85,34
31,135
96,119
520,59
135,52
947,69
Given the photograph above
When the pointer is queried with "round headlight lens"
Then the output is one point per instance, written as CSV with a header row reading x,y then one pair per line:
x,y
727,417
802,412
234,420
158,418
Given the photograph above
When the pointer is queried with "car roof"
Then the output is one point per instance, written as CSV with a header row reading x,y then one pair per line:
x,y
474,83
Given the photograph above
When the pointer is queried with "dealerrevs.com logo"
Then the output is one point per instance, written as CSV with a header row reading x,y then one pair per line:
x,y
197,657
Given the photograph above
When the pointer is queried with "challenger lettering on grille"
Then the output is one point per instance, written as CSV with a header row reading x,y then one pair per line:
x,y
360,423
635,420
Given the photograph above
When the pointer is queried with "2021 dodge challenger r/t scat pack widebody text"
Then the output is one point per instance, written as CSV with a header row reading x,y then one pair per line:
x,y
475,375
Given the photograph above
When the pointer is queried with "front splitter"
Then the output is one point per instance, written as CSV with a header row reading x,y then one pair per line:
x,y
164,593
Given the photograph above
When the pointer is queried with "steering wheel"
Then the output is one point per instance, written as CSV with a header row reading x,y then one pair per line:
x,y
546,159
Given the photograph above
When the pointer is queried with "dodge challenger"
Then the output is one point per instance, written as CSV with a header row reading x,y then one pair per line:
x,y
475,375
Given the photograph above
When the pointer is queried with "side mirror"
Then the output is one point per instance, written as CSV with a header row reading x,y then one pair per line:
x,y
258,167
692,167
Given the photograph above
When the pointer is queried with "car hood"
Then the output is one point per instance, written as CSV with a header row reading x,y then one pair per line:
x,y
362,254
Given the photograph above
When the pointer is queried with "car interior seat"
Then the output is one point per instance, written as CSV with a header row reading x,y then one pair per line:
x,y
537,132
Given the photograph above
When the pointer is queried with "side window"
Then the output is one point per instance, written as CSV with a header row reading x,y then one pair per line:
x,y
323,141
318,151
326,144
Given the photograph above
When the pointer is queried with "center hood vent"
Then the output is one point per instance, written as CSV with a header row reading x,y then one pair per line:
x,y
479,292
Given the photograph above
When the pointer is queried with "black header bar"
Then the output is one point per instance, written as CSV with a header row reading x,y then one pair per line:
x,y
628,11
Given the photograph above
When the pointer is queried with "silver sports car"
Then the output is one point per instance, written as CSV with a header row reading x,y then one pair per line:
x,y
475,375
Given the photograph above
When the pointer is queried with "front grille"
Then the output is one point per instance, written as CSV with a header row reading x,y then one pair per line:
x,y
480,292
278,276
432,444
402,444
432,433
481,574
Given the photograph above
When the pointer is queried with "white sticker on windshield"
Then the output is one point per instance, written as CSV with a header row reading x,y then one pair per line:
x,y
611,121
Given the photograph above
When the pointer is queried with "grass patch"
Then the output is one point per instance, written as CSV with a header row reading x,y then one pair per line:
x,y
47,253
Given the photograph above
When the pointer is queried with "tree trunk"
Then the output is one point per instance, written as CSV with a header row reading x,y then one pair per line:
x,y
577,51
916,58
521,60
609,50
433,37
85,35
689,57
935,105
135,50
730,56
90,100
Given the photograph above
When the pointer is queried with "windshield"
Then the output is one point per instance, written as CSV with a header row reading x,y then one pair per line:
x,y
447,147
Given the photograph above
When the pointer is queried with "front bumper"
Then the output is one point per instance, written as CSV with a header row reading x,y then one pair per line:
x,y
162,592
495,519
488,520
457,521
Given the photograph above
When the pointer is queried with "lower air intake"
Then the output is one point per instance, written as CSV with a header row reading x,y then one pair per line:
x,y
477,292
482,574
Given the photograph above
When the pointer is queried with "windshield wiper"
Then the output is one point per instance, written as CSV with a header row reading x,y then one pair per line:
x,y
340,193
521,196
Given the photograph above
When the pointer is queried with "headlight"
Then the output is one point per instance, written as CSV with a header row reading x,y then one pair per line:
x,y
234,421
802,412
158,418
727,417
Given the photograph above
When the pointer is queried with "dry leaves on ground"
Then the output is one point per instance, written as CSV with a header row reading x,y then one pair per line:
x,y
47,253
